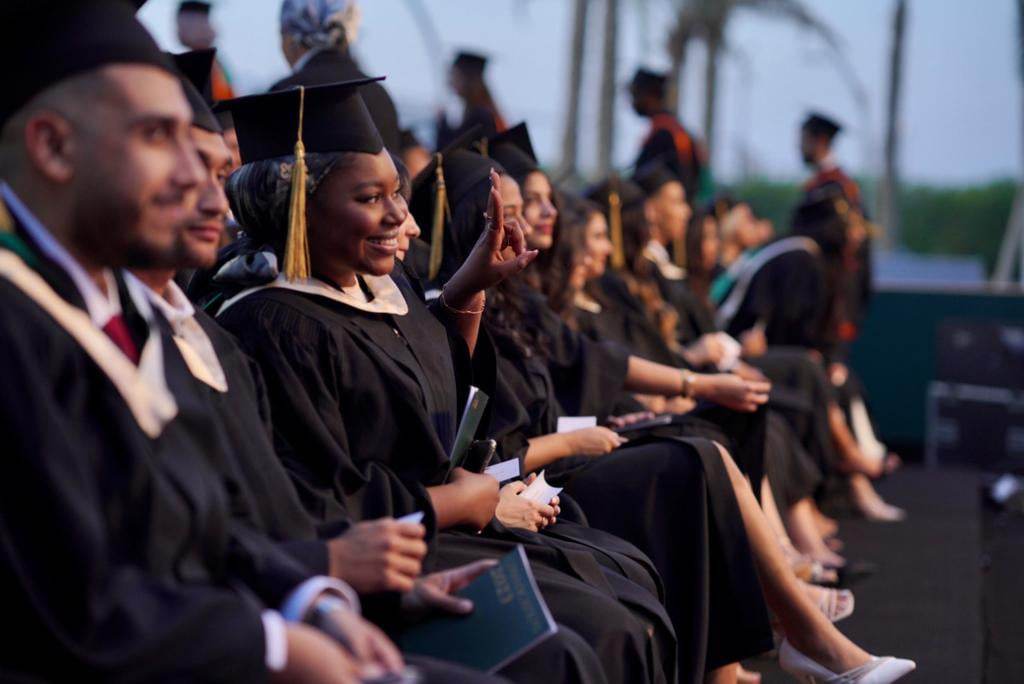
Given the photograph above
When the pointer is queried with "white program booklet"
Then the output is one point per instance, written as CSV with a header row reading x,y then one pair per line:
x,y
504,471
540,491
570,423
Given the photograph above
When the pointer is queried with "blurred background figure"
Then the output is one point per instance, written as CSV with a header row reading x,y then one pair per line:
x,y
668,141
315,39
196,32
466,79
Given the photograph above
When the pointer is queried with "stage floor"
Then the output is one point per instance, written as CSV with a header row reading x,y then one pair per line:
x,y
949,591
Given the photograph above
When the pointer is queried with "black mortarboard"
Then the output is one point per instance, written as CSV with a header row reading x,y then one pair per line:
x,y
44,42
513,149
408,139
194,6
318,119
196,69
653,176
334,119
470,61
819,124
451,173
646,80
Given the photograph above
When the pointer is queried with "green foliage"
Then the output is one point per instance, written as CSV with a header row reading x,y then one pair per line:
x,y
967,221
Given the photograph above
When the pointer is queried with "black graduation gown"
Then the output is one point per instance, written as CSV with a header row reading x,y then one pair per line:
x,y
589,377
686,518
364,412
669,143
263,499
787,297
472,116
113,558
331,66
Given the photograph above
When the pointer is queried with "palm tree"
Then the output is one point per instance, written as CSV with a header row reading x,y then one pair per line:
x,y
888,210
606,112
708,21
567,170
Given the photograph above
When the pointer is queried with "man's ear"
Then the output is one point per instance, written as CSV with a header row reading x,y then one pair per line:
x,y
50,146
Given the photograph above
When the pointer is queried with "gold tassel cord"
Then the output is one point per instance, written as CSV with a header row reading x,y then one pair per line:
x,y
615,228
679,250
6,222
296,252
440,212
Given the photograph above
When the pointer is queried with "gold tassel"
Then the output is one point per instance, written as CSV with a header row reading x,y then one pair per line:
x,y
440,212
296,251
615,227
679,250
484,146
6,222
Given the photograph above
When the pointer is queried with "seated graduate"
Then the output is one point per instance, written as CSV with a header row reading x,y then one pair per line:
x,y
793,475
800,615
226,421
793,289
364,380
696,547
117,558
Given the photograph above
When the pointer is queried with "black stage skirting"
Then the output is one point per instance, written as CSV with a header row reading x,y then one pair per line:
x,y
927,599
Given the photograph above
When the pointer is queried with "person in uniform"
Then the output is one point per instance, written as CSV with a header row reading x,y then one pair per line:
x,y
196,32
466,79
667,141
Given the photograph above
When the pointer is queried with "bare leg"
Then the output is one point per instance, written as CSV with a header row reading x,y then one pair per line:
x,y
771,511
807,629
853,460
827,527
723,675
805,536
870,503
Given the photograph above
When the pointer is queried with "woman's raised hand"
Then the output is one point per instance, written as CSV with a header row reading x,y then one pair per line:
x,y
499,253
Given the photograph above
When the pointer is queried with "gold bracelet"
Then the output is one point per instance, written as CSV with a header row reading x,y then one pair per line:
x,y
463,312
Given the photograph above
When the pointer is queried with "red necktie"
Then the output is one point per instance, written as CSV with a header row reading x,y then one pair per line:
x,y
117,331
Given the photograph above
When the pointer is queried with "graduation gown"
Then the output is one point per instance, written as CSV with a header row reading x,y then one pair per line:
x,y
669,143
670,497
115,559
237,439
364,409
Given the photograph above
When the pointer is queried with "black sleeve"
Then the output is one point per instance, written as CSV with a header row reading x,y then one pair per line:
x,y
78,602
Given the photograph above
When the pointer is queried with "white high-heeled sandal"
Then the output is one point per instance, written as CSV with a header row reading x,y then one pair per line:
x,y
881,670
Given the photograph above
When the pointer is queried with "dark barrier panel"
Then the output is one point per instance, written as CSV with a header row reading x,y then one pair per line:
x,y
896,352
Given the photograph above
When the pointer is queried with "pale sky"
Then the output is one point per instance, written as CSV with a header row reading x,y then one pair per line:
x,y
961,115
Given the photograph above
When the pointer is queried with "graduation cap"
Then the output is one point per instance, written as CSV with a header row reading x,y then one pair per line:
x,y
196,71
653,176
319,119
645,80
470,61
613,196
819,124
513,149
195,6
452,173
408,139
48,41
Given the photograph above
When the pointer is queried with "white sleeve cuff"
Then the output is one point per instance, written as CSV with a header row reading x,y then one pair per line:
x,y
277,640
298,603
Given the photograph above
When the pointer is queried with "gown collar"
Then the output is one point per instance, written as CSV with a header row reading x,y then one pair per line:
x,y
385,297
